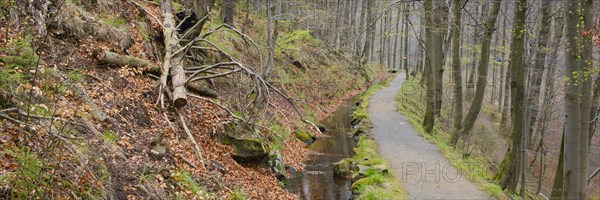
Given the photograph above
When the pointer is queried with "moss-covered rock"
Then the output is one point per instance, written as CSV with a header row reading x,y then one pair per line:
x,y
357,117
247,149
276,165
305,136
343,168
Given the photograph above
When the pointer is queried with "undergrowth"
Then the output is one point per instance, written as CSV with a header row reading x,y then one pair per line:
x,y
411,105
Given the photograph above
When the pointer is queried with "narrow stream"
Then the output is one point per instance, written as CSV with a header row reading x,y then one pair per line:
x,y
317,180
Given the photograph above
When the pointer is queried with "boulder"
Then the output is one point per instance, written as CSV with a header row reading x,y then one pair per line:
x,y
343,168
305,136
357,117
276,165
246,149
361,171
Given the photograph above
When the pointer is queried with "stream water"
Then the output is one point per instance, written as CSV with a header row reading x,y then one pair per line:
x,y
317,180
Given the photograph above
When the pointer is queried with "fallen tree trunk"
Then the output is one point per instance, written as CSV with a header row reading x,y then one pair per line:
x,y
113,58
201,88
81,23
173,60
118,59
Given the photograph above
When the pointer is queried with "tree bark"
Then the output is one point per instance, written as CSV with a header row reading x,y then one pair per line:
x,y
572,102
456,71
173,63
471,117
538,67
396,35
585,65
429,74
509,171
406,45
228,11
437,52
366,54
201,9
557,187
118,59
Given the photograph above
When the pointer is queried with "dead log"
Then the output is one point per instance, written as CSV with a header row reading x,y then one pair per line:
x,y
118,59
108,57
173,60
81,23
202,88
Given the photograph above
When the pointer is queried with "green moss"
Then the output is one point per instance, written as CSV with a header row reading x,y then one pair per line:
x,y
117,22
377,194
304,136
373,184
248,144
238,194
375,179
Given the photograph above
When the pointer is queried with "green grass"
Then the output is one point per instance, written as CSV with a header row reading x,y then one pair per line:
x,y
375,184
238,194
108,136
184,179
412,108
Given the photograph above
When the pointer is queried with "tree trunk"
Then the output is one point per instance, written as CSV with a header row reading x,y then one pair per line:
x,y
557,187
173,63
456,71
429,73
538,67
363,14
585,65
437,53
471,117
366,54
201,9
396,35
405,43
572,102
509,171
228,11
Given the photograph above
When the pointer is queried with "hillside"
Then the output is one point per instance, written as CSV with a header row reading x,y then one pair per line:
x,y
76,125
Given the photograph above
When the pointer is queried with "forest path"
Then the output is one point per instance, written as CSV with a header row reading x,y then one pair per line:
x,y
423,171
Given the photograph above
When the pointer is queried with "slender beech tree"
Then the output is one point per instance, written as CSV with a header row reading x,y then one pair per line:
x,y
366,53
509,170
571,186
396,36
549,93
538,67
405,43
482,72
437,51
429,72
585,65
456,70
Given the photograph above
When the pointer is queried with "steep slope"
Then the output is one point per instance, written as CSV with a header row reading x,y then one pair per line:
x,y
73,127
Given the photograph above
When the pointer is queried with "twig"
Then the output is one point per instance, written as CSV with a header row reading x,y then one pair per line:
x,y
148,12
21,112
13,120
190,135
187,161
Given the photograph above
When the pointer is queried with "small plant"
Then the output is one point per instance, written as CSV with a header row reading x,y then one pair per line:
x,y
238,194
28,176
145,176
189,185
108,136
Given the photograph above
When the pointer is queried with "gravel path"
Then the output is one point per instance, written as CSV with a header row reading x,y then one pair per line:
x,y
422,169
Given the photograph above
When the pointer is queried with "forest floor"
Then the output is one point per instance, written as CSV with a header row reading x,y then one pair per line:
x,y
422,168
